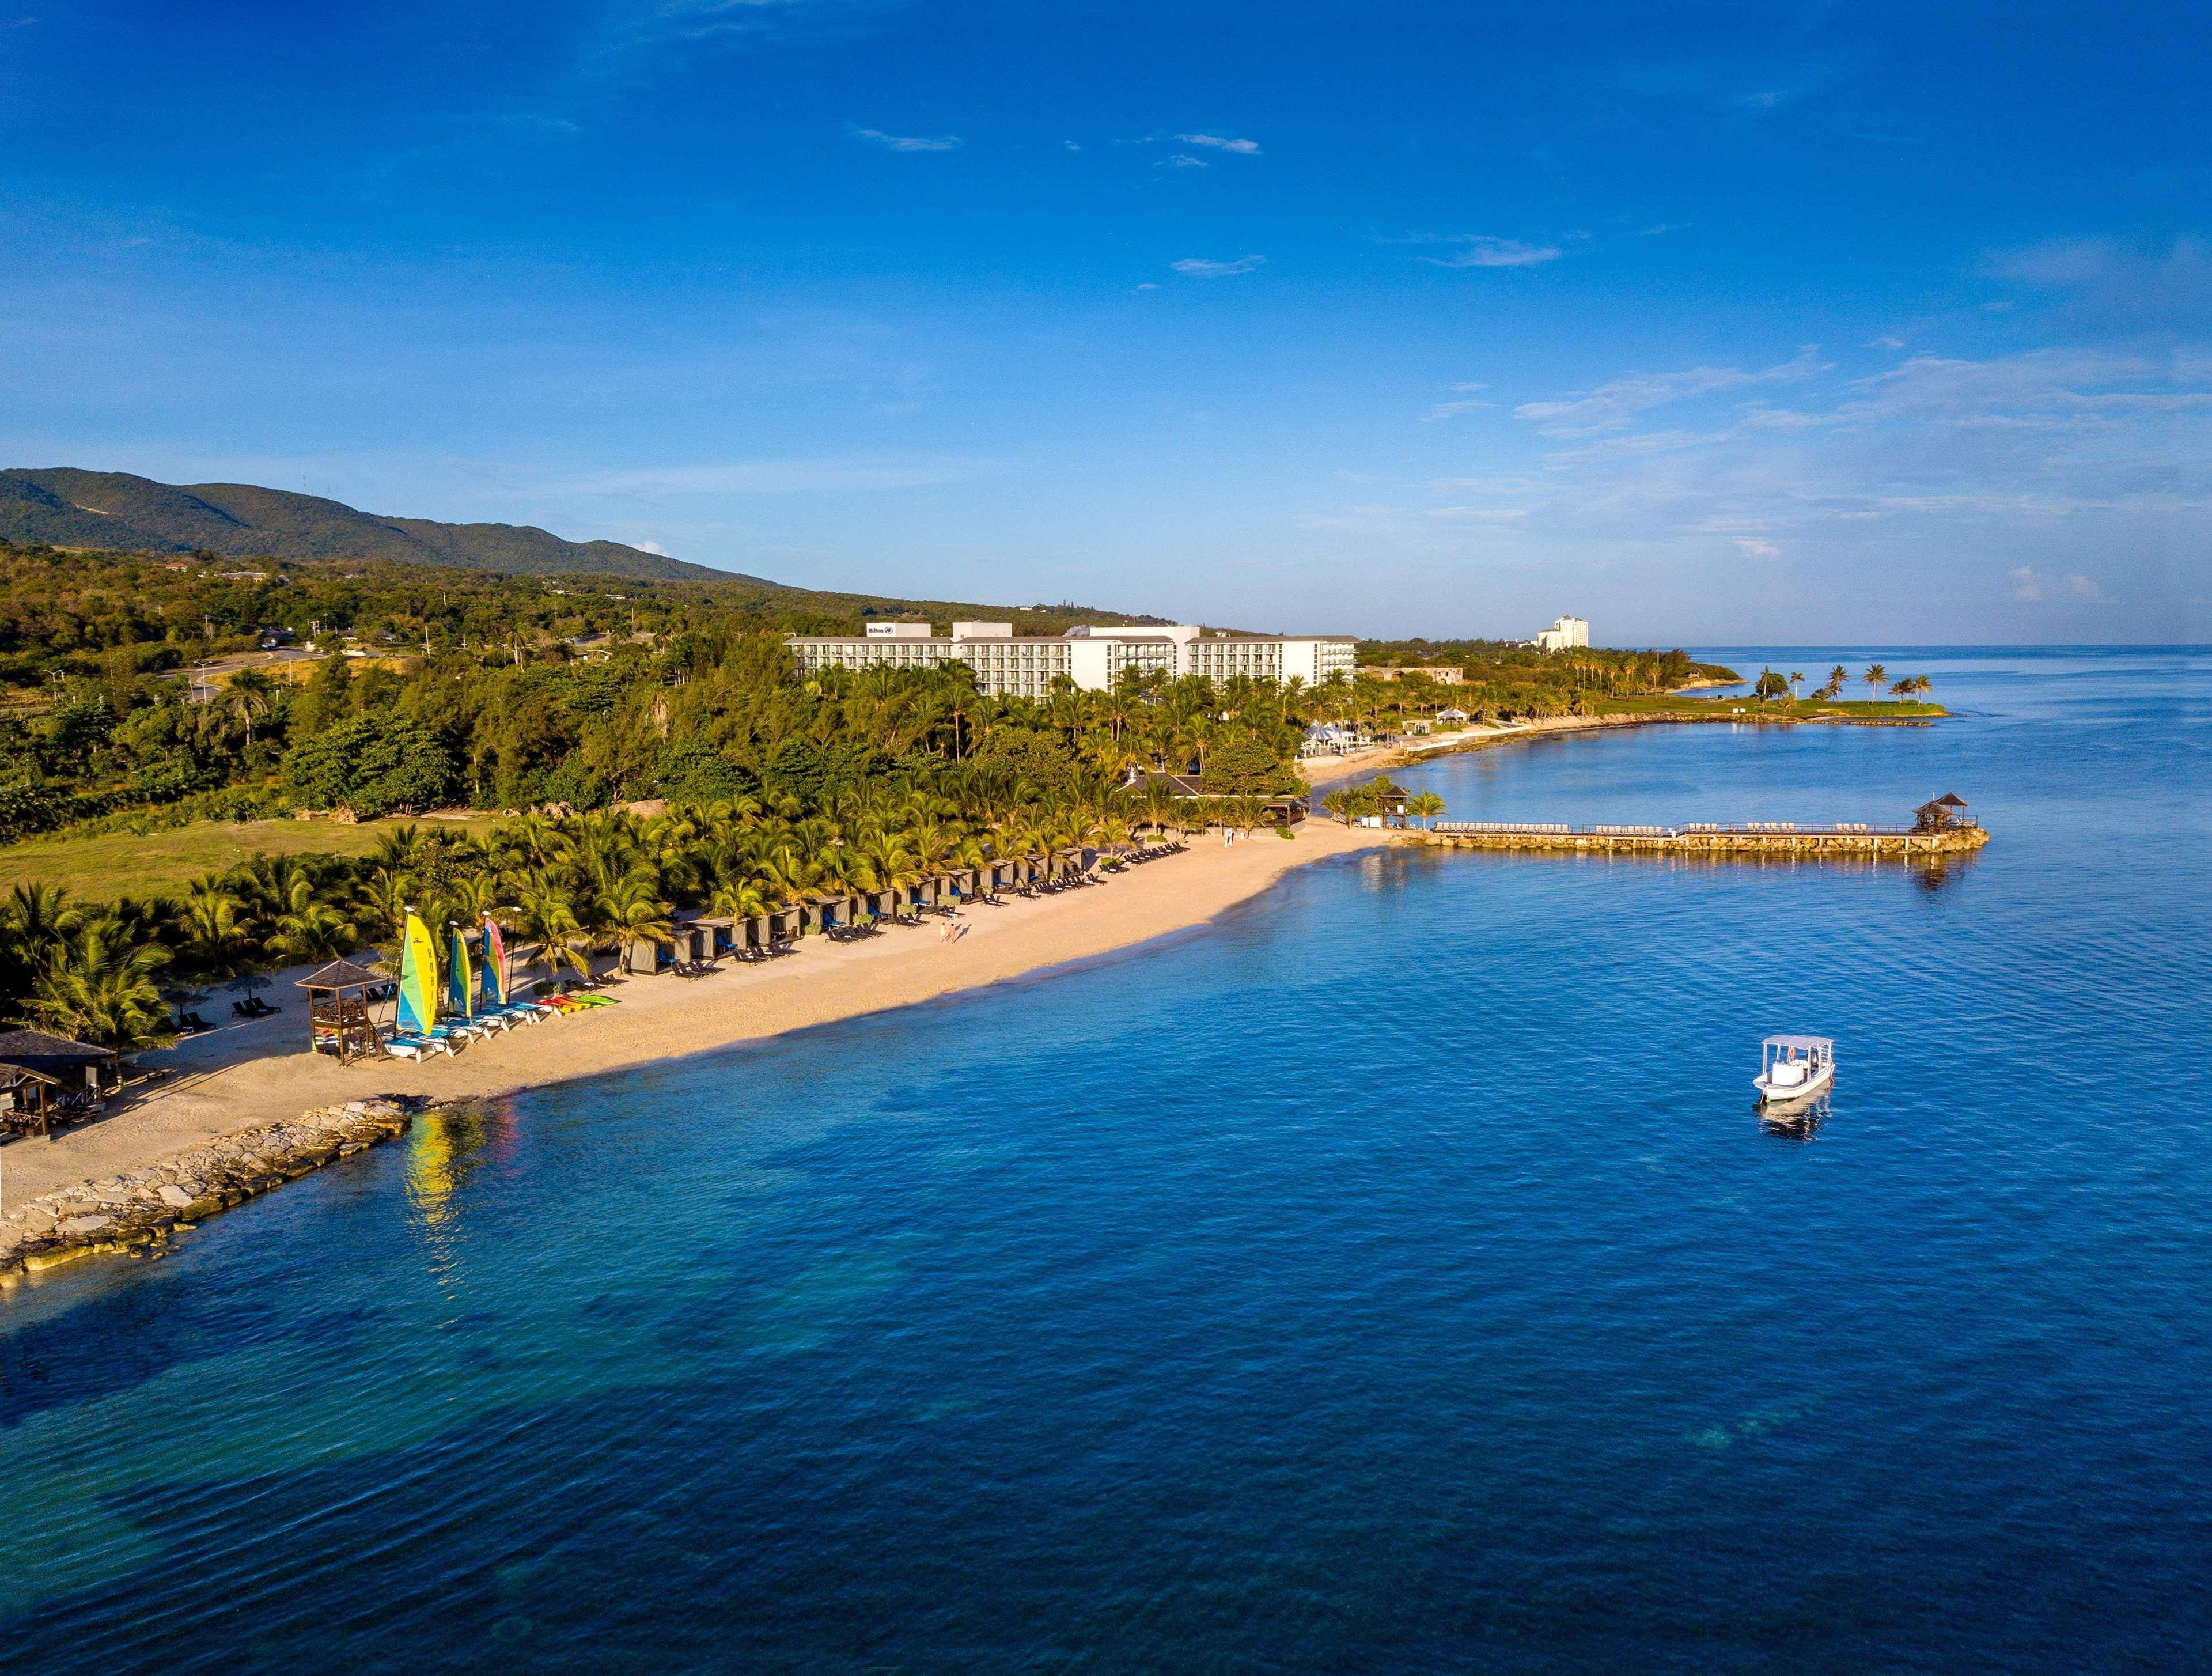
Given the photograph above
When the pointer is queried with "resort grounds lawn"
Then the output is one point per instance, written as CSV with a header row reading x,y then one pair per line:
x,y
112,864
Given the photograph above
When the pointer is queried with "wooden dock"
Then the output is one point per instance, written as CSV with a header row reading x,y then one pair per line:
x,y
1747,840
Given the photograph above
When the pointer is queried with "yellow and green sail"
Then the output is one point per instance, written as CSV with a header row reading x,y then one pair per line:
x,y
418,976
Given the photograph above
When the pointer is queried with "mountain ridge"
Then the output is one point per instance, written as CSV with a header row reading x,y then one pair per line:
x,y
66,506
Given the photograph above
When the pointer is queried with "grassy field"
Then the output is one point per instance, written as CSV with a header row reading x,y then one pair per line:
x,y
122,864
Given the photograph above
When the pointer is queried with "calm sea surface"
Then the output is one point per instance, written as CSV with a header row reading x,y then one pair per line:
x,y
1393,1277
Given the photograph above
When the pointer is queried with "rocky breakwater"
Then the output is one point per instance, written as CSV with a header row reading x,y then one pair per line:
x,y
135,1212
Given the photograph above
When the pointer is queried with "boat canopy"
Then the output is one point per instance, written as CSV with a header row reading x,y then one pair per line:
x,y
1808,1042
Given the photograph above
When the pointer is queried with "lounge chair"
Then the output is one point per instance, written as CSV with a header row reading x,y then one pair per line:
x,y
417,1047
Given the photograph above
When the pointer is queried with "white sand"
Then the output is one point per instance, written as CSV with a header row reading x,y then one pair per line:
x,y
244,1075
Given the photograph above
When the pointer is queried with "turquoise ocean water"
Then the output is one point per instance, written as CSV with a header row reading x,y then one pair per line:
x,y
1392,1276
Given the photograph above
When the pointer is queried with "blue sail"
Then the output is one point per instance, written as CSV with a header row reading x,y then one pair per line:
x,y
461,987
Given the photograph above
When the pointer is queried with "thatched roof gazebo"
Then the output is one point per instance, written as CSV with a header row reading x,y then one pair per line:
x,y
338,1021
1946,812
36,1071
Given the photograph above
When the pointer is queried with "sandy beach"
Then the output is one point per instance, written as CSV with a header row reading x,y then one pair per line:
x,y
249,1074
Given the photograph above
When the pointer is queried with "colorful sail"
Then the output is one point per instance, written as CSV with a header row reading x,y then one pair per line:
x,y
418,978
495,977
462,988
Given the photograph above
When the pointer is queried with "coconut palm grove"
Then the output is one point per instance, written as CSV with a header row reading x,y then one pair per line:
x,y
640,747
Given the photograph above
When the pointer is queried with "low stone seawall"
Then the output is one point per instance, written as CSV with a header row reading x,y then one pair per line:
x,y
1876,846
135,1212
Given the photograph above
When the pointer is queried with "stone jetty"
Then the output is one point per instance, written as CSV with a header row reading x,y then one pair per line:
x,y
135,1212
1714,843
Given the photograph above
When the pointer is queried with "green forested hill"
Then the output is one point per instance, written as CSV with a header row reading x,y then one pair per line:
x,y
62,507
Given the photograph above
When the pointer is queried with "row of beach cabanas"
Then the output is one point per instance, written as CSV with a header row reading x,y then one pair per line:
x,y
453,990
697,943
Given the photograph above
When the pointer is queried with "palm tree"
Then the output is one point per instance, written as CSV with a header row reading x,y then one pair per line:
x,y
1797,680
1874,676
545,915
246,698
630,910
381,900
742,899
98,987
309,930
33,919
1424,807
215,926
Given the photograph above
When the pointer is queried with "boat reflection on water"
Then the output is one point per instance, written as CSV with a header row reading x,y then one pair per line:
x,y
1793,1122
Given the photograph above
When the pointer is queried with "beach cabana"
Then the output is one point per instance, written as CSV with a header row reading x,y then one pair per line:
x,y
338,1021
718,936
26,1100
642,957
827,913
1946,812
42,1073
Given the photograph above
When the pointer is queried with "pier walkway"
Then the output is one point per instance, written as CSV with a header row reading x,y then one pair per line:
x,y
1761,838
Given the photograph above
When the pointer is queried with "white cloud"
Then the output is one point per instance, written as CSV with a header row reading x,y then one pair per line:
x,y
1071,145
906,142
1452,409
1479,515
650,547
1610,405
1241,147
1198,268
1179,161
1887,342
2031,588
1149,285
1480,250
1753,547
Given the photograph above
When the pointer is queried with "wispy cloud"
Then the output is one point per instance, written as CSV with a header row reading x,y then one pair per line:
x,y
906,142
778,477
1480,250
1614,404
1197,267
1181,160
1753,546
1467,403
2031,587
1241,147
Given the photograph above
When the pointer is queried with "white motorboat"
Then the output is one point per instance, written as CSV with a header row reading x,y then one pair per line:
x,y
1794,1068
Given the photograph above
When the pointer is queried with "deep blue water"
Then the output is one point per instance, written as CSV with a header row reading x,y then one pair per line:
x,y
1393,1275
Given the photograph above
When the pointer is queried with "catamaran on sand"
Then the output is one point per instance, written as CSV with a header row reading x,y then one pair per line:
x,y
1794,1067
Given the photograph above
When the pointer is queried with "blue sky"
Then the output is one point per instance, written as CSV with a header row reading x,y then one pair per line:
x,y
1713,325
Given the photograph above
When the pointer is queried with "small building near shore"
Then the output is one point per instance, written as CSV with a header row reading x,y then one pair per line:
x,y
1943,814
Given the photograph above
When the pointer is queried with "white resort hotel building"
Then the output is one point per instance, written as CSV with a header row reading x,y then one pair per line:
x,y
1007,664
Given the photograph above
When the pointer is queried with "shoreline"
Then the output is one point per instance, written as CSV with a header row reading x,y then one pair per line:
x,y
222,1095
1320,772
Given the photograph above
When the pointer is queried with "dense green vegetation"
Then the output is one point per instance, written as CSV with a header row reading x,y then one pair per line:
x,y
66,507
755,787
1507,663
